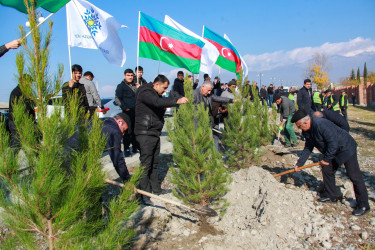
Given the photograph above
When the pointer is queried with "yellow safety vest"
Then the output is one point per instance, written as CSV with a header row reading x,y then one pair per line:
x,y
316,98
343,101
336,107
291,96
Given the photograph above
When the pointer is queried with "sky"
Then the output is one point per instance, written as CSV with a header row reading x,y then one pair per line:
x,y
268,34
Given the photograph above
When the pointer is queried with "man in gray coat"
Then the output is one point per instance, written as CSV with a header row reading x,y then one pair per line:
x,y
203,94
91,92
287,110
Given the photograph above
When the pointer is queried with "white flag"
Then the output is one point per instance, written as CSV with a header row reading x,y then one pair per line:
x,y
209,51
90,27
243,63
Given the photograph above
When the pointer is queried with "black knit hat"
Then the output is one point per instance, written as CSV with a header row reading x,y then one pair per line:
x,y
298,115
126,119
276,97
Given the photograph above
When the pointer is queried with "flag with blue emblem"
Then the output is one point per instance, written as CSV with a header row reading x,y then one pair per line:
x,y
92,28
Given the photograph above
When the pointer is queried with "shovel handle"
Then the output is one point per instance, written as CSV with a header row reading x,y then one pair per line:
x,y
300,168
142,192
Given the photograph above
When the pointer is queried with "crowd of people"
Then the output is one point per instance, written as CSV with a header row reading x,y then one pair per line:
x,y
322,117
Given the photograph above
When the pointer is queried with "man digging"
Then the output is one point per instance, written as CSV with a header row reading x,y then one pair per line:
x,y
337,147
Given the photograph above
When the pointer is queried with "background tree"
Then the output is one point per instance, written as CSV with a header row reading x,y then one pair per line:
x,y
52,195
199,176
318,70
365,73
358,76
352,76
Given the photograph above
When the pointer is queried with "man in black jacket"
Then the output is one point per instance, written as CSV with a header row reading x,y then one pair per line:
x,y
149,122
334,117
178,85
139,74
256,88
270,92
263,95
17,95
304,98
337,147
11,45
75,87
125,95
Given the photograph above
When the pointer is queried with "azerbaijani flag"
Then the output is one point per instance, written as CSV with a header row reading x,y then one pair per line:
x,y
48,5
159,41
229,58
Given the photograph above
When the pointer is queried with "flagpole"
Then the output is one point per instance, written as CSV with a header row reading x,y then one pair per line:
x,y
67,28
139,23
37,26
159,68
202,37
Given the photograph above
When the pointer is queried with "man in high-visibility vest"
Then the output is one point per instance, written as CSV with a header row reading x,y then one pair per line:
x,y
291,95
344,104
332,101
324,100
317,99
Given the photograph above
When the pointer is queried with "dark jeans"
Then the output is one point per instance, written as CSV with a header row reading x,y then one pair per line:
x,y
149,157
270,100
14,140
130,137
354,174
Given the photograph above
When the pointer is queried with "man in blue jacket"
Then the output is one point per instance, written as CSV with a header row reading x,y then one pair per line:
x,y
337,147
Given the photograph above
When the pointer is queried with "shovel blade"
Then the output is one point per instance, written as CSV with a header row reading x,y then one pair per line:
x,y
205,210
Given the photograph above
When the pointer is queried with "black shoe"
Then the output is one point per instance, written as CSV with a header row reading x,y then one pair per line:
x,y
359,211
147,201
327,200
127,153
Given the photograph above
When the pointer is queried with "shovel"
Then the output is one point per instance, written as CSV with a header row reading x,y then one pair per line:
x,y
300,168
199,209
277,142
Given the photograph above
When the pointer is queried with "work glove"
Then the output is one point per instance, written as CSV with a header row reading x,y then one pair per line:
x,y
281,128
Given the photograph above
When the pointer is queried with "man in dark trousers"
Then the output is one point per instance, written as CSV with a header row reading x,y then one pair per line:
x,y
287,110
149,122
270,92
332,101
344,104
337,147
334,117
75,87
304,97
113,129
125,96
178,85
17,95
256,91
263,95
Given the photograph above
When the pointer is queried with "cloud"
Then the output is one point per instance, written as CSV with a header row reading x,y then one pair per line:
x,y
268,61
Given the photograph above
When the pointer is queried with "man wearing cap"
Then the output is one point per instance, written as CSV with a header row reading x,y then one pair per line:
x,y
344,104
229,93
287,110
332,101
337,147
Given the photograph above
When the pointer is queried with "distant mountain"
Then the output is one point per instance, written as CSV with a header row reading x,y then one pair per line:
x,y
340,66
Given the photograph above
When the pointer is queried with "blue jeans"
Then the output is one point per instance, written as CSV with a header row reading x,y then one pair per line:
x,y
270,100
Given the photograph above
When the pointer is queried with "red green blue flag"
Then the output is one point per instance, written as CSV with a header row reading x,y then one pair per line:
x,y
229,58
161,42
49,5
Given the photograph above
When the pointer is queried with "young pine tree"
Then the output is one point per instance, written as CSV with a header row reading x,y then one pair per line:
x,y
200,176
51,195
246,128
